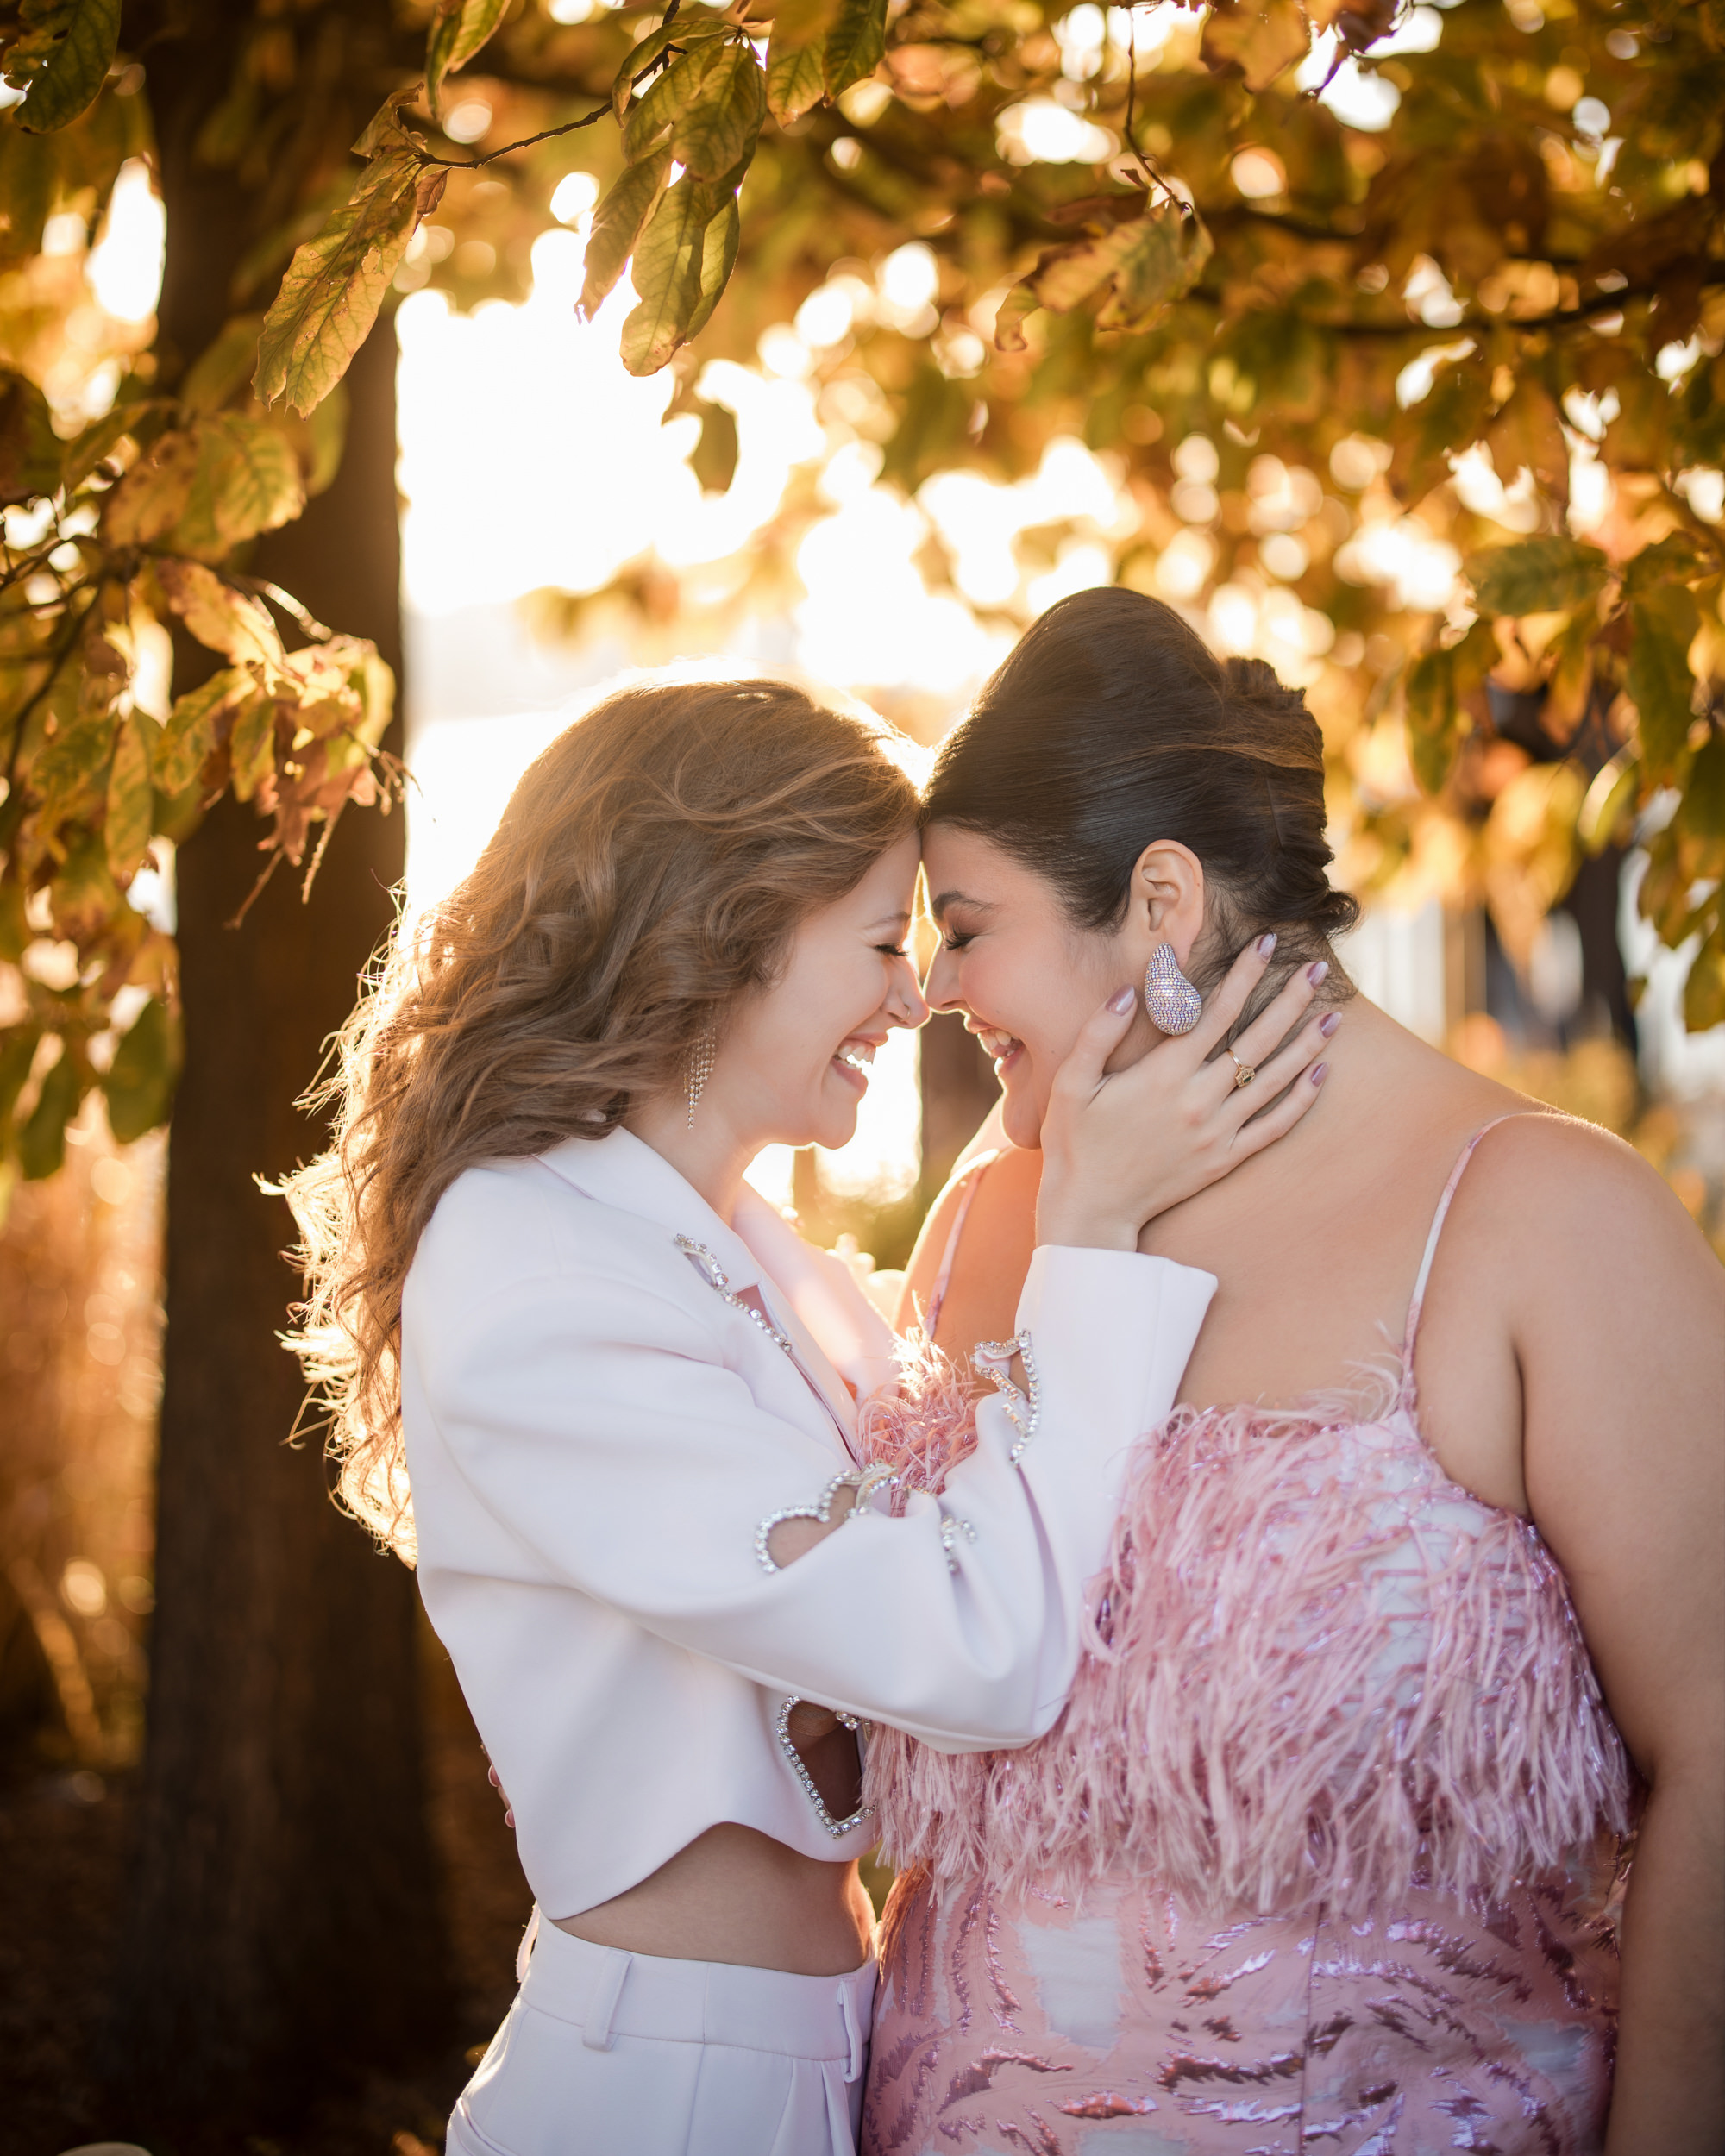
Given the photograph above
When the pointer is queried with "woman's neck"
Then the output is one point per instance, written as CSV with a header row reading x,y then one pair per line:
x,y
707,1153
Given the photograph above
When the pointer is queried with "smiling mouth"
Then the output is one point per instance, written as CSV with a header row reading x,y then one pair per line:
x,y
855,1060
1002,1047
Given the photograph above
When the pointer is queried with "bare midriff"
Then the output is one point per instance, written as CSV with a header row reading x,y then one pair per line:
x,y
734,1895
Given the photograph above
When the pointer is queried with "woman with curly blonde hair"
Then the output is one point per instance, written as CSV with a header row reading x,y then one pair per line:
x,y
608,1400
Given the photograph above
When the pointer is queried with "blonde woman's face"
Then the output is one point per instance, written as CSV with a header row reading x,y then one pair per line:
x,y
795,1061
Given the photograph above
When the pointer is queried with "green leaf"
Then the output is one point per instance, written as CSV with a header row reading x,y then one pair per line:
x,y
29,449
1537,576
617,222
63,61
1704,993
458,30
1126,274
68,764
680,30
668,275
251,745
713,459
17,1052
144,420
855,45
718,130
796,78
336,284
247,481
224,366
1676,558
1257,38
654,115
1660,685
41,1142
139,1083
1437,683
125,824
719,257
188,737
1703,810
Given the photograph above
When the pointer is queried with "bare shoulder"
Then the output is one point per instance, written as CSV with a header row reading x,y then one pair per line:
x,y
1579,1206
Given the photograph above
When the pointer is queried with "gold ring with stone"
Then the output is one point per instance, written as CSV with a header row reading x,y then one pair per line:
x,y
1244,1072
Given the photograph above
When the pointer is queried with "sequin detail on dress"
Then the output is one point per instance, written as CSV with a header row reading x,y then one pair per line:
x,y
1318,1856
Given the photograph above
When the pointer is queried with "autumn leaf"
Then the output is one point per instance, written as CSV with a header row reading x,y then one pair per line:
x,y
1125,275
151,497
718,130
1703,992
246,481
719,256
139,1083
251,746
458,30
852,48
225,364
796,78
63,59
190,735
797,21
29,449
1661,688
41,1141
144,422
1258,42
618,222
654,115
336,284
1537,576
126,819
220,618
668,275
1437,683
681,30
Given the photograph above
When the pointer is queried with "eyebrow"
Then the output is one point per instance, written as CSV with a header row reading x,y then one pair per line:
x,y
902,918
939,905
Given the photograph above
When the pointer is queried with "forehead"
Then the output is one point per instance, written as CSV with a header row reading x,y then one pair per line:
x,y
964,866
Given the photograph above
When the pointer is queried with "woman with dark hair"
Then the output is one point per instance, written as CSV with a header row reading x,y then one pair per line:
x,y
608,1400
1412,1614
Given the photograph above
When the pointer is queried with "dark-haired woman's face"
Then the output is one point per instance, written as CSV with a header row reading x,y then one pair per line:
x,y
1010,959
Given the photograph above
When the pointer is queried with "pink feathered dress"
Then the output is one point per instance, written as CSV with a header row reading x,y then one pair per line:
x,y
1320,1858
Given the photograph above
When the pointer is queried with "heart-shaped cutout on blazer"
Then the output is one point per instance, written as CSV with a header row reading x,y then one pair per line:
x,y
799,1767
865,1481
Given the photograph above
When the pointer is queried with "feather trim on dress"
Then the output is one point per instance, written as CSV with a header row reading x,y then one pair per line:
x,y
1394,1691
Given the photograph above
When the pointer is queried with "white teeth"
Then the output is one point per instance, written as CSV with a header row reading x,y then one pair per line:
x,y
858,1058
998,1045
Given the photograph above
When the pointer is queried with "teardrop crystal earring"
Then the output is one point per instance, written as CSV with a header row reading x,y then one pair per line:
x,y
697,1069
1174,1004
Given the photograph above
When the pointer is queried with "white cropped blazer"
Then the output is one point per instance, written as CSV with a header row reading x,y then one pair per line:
x,y
596,1433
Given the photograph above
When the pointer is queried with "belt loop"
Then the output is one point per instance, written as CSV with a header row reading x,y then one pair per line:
x,y
524,1953
847,2007
602,2007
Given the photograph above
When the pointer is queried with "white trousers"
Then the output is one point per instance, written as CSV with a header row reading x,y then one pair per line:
x,y
606,2053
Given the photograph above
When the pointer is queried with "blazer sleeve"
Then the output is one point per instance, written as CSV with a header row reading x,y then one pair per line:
x,y
595,1420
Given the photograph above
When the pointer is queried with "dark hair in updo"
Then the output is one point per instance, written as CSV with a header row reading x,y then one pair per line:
x,y
1113,724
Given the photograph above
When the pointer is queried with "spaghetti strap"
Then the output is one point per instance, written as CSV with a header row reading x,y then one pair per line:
x,y
1418,1300
973,1182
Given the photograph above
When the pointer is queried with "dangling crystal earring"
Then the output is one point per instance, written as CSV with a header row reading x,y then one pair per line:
x,y
1174,1004
697,1069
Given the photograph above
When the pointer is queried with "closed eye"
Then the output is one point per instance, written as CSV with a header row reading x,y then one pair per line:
x,y
956,940
893,950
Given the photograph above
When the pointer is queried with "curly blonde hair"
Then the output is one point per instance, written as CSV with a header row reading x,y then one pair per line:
x,y
651,867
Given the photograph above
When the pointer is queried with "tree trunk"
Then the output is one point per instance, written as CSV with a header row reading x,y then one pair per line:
x,y
284,1923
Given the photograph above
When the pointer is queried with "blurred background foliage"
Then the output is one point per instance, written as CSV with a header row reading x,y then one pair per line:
x,y
1387,342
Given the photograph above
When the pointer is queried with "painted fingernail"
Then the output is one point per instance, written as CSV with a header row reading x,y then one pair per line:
x,y
1122,1000
1318,1074
1316,974
1326,1026
1265,945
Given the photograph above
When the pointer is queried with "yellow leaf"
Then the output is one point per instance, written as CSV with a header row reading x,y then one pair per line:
x,y
458,30
717,130
629,202
221,618
251,745
1257,41
126,824
667,276
796,78
150,498
336,284
190,735
247,481
853,46
64,61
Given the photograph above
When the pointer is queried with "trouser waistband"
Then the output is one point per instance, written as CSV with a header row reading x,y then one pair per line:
x,y
607,1993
